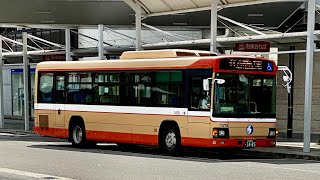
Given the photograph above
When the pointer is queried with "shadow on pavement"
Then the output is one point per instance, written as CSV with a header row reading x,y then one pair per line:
x,y
189,154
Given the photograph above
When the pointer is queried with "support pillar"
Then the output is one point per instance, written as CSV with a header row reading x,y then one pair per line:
x,y
309,75
1,88
213,28
138,28
68,44
100,48
290,95
26,81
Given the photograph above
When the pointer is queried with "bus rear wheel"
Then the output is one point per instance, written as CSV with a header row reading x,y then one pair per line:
x,y
78,135
170,141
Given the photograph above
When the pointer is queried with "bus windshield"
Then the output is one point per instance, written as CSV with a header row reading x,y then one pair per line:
x,y
243,95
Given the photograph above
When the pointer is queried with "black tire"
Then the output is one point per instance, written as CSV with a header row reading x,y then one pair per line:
x,y
170,140
77,135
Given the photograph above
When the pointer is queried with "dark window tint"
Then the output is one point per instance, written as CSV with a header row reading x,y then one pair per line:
x,y
107,88
46,88
80,89
60,88
138,88
168,89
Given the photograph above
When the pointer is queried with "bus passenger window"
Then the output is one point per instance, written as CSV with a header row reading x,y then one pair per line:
x,y
60,94
107,88
46,88
167,89
199,98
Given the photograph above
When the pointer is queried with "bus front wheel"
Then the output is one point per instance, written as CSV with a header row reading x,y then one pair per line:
x,y
171,140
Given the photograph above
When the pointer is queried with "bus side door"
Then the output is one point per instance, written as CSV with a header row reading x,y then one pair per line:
x,y
59,99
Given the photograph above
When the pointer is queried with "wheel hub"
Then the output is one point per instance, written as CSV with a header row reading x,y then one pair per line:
x,y
77,134
171,139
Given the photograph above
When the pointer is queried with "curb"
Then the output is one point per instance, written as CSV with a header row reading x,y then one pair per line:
x,y
284,155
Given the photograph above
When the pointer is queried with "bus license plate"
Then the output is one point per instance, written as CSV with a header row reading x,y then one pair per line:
x,y
250,143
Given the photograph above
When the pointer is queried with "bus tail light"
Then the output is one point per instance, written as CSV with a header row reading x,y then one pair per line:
x,y
220,133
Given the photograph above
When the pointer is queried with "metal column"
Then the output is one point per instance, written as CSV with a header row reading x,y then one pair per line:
x,y
290,95
68,44
100,48
26,80
138,28
1,88
213,28
309,74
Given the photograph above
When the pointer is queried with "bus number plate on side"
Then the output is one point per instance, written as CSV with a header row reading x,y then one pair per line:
x,y
250,143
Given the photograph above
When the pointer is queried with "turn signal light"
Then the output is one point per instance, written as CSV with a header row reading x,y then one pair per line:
x,y
220,133
215,133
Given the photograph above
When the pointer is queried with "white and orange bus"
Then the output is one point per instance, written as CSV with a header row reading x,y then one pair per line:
x,y
165,98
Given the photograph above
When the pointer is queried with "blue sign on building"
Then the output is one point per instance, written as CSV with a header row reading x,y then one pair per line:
x,y
18,71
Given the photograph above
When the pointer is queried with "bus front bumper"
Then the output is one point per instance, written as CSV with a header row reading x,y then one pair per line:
x,y
243,143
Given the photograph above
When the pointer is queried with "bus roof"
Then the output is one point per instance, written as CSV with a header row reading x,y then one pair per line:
x,y
137,64
142,60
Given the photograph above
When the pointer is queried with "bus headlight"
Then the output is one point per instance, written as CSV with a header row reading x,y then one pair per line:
x,y
272,132
220,133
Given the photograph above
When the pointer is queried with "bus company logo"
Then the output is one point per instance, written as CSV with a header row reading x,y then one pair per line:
x,y
249,129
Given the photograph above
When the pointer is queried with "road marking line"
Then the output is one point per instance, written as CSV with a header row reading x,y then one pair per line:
x,y
31,174
13,135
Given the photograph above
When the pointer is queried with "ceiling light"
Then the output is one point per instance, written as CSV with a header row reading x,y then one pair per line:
x,y
180,24
255,15
257,24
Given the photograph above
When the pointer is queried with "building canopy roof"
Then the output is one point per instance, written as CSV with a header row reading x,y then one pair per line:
x,y
163,7
62,13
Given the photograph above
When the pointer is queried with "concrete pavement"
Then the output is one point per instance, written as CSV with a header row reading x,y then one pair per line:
x,y
290,148
286,147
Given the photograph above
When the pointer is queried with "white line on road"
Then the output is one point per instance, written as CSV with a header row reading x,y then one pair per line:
x,y
31,174
13,134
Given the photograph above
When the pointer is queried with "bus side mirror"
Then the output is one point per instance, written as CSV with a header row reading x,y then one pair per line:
x,y
286,78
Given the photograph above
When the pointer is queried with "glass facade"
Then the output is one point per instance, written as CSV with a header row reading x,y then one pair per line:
x,y
17,86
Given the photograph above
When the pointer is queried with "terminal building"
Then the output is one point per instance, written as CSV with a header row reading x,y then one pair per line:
x,y
284,33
